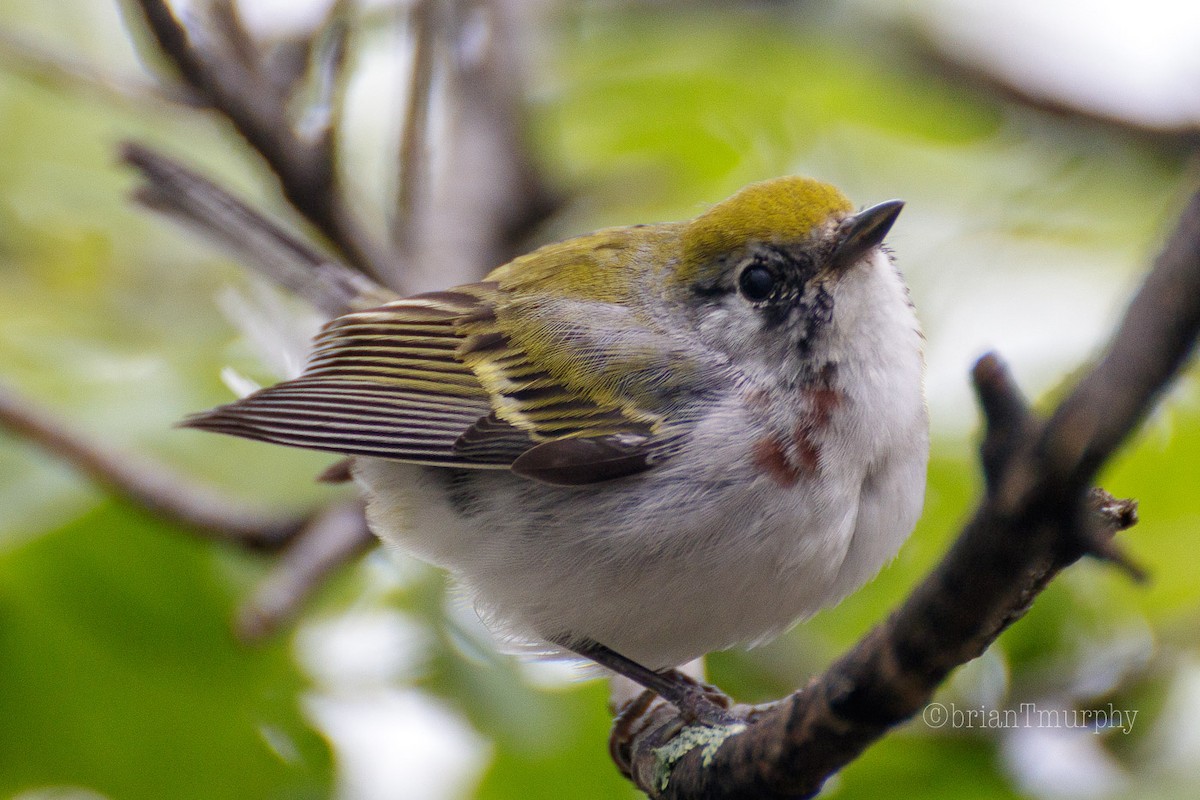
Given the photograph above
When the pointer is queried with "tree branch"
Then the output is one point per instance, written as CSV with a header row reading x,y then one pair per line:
x,y
1036,518
172,189
257,106
413,161
151,485
334,537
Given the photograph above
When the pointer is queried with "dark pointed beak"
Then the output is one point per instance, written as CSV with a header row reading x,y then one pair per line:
x,y
859,233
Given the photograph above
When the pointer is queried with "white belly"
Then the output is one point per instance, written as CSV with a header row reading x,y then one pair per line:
x,y
661,567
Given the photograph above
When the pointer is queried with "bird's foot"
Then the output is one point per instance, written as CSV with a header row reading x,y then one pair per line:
x,y
698,702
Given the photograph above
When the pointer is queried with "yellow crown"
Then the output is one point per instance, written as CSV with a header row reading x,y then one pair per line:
x,y
779,210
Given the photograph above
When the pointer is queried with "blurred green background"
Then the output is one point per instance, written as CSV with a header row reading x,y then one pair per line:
x,y
1027,226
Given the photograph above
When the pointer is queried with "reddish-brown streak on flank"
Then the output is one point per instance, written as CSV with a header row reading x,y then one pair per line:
x,y
787,461
807,450
771,457
822,402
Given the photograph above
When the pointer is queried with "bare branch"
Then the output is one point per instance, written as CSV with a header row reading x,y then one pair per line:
x,y
177,191
1100,545
1036,519
1009,422
491,194
333,538
227,19
148,484
1154,340
307,169
414,156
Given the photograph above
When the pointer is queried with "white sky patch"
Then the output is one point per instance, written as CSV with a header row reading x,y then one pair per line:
x,y
363,649
389,740
1174,743
279,18
1061,764
1136,61
283,17
399,743
1042,324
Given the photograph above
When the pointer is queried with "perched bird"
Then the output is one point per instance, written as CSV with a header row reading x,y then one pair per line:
x,y
642,444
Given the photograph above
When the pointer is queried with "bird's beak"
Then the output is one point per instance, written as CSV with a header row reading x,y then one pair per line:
x,y
859,233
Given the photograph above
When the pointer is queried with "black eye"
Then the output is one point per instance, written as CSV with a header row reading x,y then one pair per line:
x,y
756,283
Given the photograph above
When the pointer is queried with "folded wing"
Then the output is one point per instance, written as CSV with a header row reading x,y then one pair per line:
x,y
431,379
385,382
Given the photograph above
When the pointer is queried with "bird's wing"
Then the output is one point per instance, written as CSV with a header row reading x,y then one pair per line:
x,y
431,379
385,382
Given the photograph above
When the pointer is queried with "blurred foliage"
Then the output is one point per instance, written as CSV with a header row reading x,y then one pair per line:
x,y
126,681
117,671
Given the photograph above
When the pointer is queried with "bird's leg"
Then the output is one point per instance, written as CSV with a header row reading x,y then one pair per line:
x,y
695,701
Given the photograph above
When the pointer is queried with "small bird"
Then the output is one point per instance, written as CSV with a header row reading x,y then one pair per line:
x,y
642,444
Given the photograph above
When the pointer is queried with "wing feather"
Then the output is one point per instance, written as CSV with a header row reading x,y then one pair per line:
x,y
385,382
434,379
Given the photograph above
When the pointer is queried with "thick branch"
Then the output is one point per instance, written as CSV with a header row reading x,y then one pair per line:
x,y
1033,522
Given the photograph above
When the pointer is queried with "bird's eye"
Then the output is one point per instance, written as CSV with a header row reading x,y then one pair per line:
x,y
756,283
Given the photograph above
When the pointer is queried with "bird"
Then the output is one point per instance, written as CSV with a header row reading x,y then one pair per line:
x,y
643,444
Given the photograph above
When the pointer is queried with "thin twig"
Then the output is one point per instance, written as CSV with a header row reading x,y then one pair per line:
x,y
307,169
146,483
333,538
412,181
173,189
227,19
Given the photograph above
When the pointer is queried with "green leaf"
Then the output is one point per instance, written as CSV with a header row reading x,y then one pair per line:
x,y
121,674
